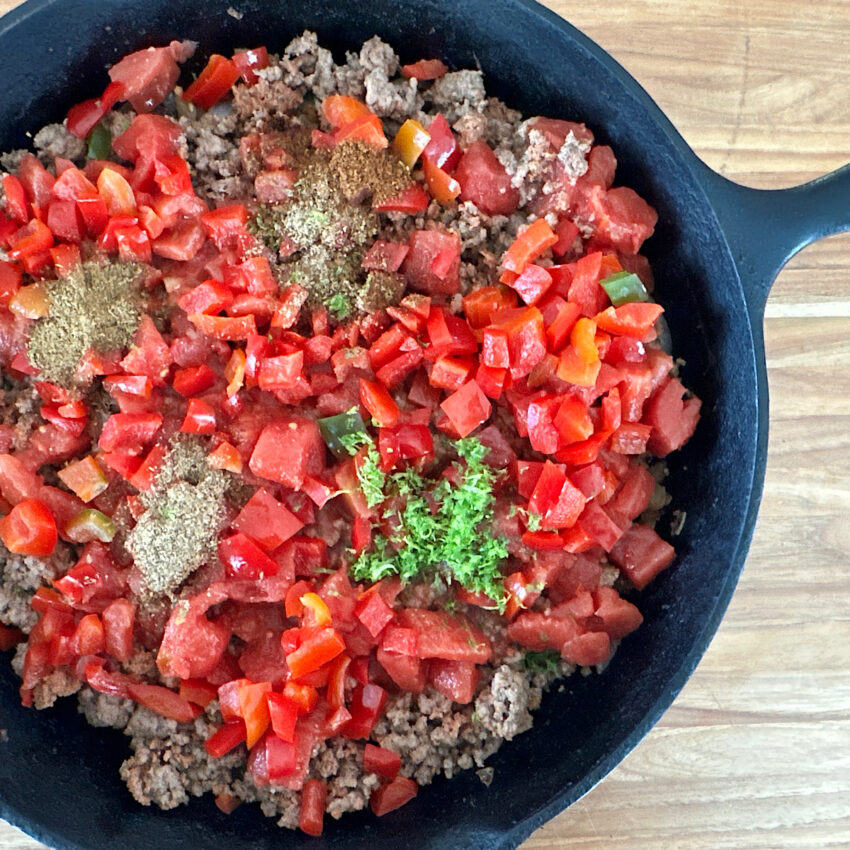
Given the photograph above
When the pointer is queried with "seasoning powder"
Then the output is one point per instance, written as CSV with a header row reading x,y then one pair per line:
x,y
95,307
184,512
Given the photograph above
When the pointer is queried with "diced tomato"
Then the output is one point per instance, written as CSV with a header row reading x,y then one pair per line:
x,y
673,420
29,529
425,246
118,620
149,75
456,680
192,645
537,631
343,109
625,220
374,613
266,520
393,795
618,616
485,182
441,635
288,450
385,256
587,649
641,554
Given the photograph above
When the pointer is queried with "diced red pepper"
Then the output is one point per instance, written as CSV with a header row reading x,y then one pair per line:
x,y
367,706
529,245
244,559
213,83
226,738
315,651
312,813
467,408
382,761
393,795
425,69
248,62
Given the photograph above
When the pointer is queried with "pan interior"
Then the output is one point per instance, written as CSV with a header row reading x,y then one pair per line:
x,y
56,52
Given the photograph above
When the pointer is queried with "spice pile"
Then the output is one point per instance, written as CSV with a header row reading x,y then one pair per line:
x,y
331,418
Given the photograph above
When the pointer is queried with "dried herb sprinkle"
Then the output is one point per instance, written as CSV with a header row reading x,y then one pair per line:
x,y
184,512
95,307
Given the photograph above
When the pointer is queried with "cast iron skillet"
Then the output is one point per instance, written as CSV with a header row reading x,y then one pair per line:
x,y
717,249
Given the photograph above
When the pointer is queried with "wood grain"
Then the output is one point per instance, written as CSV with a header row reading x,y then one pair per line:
x,y
755,752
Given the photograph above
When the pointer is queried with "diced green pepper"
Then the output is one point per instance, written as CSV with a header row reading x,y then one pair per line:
x,y
334,428
100,143
623,288
90,524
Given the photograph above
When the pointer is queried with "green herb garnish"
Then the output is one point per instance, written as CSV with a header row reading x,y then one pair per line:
x,y
453,543
339,306
548,661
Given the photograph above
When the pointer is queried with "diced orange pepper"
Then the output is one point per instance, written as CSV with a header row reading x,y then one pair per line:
x,y
85,478
117,192
409,142
254,710
576,370
225,457
342,109
316,611
442,186
234,371
583,339
529,245
30,302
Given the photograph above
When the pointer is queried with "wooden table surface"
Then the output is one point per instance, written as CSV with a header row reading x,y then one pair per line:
x,y
755,752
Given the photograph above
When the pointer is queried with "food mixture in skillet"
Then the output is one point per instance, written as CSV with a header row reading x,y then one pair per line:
x,y
333,401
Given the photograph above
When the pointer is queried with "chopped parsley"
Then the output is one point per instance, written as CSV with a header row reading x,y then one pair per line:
x,y
548,661
452,540
339,306
371,477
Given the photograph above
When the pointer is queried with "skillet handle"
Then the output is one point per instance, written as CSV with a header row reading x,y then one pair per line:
x,y
766,227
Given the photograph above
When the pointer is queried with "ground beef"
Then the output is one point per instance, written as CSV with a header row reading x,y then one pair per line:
x,y
20,405
169,761
340,762
266,105
55,140
307,65
212,150
59,683
104,709
504,707
433,735
21,576
456,93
